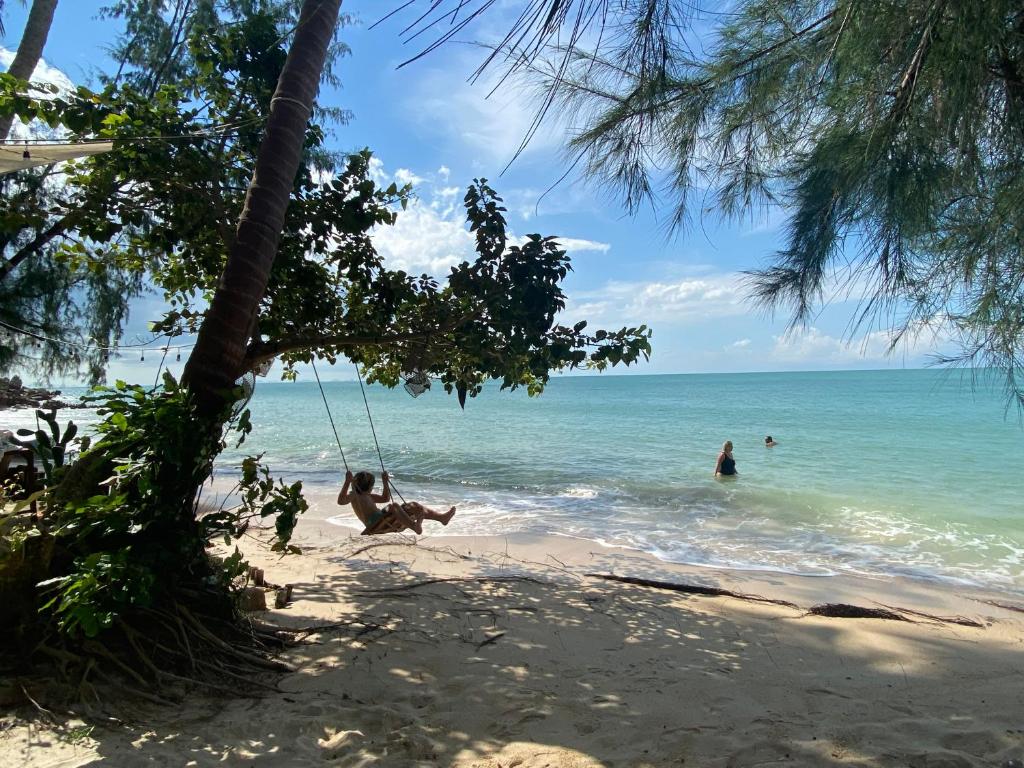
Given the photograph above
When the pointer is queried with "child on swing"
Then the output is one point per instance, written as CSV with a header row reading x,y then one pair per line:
x,y
392,518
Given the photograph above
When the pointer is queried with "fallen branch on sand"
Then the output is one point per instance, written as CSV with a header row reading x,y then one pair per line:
x,y
963,621
692,589
888,613
844,611
490,639
830,610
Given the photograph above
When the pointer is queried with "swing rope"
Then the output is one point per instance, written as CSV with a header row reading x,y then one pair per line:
x,y
373,431
329,416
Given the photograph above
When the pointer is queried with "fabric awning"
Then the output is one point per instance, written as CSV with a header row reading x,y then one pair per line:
x,y
14,156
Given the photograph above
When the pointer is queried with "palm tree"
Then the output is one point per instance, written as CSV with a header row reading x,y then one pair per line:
x,y
30,49
217,359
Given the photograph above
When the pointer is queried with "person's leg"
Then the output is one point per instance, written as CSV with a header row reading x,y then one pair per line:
x,y
409,521
425,513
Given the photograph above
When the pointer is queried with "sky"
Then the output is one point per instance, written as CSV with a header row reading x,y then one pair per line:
x,y
427,123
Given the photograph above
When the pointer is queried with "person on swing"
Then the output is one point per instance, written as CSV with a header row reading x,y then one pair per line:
x,y
392,518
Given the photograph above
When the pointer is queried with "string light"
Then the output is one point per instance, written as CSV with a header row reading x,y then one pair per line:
x,y
37,341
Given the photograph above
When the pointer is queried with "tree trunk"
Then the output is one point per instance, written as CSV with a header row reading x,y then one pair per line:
x,y
30,49
217,360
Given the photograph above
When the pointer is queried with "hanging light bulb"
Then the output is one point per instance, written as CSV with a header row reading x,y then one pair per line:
x,y
178,356
142,359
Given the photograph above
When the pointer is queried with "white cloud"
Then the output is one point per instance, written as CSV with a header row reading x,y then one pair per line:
x,y
431,236
813,345
680,301
444,172
424,240
569,244
740,344
43,74
405,176
490,125
376,171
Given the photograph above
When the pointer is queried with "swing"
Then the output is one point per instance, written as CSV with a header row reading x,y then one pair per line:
x,y
387,523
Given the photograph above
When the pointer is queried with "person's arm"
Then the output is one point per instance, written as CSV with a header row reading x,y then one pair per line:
x,y
344,497
386,496
718,465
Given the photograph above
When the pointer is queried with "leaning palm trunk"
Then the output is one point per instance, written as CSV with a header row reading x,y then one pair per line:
x,y
30,49
217,360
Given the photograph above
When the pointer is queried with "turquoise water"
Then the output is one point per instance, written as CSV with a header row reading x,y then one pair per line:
x,y
912,472
879,472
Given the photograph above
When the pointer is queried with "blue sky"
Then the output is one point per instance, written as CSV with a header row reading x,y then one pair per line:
x,y
428,124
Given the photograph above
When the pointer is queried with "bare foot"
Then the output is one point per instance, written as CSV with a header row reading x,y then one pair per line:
x,y
417,527
447,516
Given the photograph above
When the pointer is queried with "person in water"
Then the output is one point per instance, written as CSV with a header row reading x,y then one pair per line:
x,y
769,442
726,463
357,491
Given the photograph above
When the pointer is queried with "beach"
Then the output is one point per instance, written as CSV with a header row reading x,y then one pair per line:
x,y
501,641
503,651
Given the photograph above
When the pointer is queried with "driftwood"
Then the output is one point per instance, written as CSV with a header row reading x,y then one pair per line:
x,y
888,613
845,611
963,621
830,610
691,589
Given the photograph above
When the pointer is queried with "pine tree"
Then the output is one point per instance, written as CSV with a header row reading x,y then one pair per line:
x,y
888,133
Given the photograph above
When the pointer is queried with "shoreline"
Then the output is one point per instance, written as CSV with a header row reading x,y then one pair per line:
x,y
323,511
572,556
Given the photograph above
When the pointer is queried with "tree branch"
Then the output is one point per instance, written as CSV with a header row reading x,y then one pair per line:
x,y
32,247
262,352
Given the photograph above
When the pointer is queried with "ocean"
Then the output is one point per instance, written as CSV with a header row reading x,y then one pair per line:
x,y
909,472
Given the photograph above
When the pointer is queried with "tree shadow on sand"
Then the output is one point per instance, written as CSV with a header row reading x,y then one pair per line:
x,y
504,669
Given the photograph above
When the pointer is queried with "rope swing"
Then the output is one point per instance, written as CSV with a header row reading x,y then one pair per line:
x,y
369,417
330,417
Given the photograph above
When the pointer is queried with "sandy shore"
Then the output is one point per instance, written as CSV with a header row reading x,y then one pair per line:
x,y
500,652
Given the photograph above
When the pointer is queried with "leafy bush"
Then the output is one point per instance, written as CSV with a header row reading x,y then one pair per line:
x,y
52,448
125,516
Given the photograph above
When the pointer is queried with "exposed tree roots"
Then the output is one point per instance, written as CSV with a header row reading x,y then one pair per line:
x,y
888,613
159,655
844,611
963,621
830,610
692,589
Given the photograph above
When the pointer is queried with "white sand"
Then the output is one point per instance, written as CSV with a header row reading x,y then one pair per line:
x,y
523,660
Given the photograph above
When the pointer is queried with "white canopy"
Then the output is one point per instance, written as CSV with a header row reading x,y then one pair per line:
x,y
14,156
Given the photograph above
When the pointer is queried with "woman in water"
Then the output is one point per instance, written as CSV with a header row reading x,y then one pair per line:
x,y
726,463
